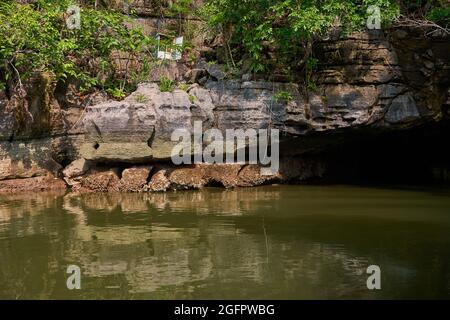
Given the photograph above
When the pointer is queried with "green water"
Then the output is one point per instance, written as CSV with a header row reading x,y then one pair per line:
x,y
277,242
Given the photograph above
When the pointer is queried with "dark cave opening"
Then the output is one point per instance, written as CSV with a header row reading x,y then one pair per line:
x,y
414,156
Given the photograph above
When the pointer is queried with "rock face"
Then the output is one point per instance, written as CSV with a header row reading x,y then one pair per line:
x,y
37,135
365,82
170,177
134,179
361,85
32,184
393,80
31,129
138,128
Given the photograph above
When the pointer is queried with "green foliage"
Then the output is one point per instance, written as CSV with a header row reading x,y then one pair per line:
x,y
419,8
310,67
116,92
183,86
35,38
192,98
231,72
142,98
285,26
283,96
265,35
440,16
166,85
163,8
143,73
181,7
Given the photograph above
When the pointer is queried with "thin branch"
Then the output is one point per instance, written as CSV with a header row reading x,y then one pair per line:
x,y
17,73
421,23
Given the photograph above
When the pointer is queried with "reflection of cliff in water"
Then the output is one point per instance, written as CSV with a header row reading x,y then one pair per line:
x,y
283,242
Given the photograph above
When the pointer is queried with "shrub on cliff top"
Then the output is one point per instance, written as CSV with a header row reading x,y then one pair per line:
x,y
286,26
278,34
440,16
35,37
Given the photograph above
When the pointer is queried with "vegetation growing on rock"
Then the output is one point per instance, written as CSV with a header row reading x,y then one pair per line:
x,y
257,36
279,35
35,39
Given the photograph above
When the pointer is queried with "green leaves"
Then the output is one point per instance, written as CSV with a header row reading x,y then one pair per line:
x,y
441,16
285,26
283,96
35,38
166,85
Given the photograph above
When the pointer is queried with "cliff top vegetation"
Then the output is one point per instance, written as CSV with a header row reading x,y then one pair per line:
x,y
260,35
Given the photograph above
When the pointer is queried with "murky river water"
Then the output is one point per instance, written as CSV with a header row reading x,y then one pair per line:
x,y
292,242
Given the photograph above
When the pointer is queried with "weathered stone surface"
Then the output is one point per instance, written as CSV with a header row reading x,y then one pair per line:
x,y
73,172
402,109
213,70
250,104
425,66
230,175
250,175
192,177
204,109
134,179
195,177
137,129
32,111
101,181
194,75
76,168
31,184
34,138
159,181
27,159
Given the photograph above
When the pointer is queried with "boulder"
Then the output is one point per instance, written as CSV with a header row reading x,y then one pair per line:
x,y
402,109
101,181
159,181
137,129
134,179
76,168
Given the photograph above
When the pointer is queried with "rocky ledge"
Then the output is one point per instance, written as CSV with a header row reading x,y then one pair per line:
x,y
367,84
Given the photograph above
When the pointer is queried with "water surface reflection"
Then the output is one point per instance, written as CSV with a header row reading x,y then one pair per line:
x,y
289,242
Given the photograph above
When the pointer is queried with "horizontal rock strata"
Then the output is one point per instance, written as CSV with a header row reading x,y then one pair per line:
x,y
366,82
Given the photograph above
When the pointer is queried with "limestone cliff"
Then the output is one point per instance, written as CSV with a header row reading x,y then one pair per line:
x,y
367,83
